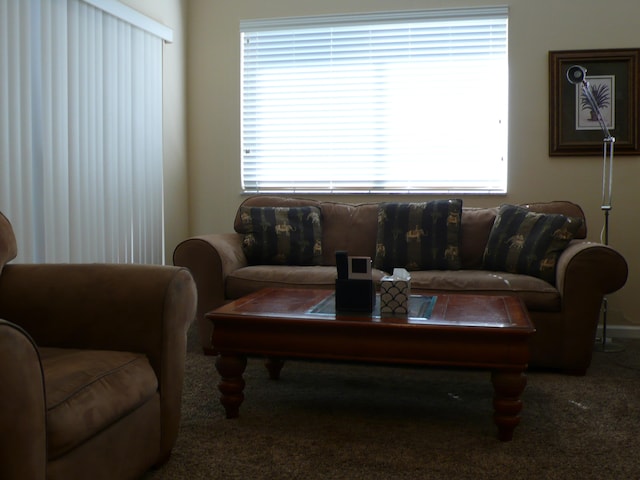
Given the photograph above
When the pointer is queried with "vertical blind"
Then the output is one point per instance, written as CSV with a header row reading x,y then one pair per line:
x,y
384,102
80,133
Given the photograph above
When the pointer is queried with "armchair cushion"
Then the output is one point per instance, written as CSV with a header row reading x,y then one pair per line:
x,y
88,390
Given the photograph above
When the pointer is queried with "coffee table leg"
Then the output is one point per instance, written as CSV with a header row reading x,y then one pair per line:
x,y
231,386
508,387
274,365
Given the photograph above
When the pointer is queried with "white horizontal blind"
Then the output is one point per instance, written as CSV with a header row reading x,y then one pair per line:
x,y
387,102
80,134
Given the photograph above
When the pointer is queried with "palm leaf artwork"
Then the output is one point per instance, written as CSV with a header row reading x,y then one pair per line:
x,y
601,95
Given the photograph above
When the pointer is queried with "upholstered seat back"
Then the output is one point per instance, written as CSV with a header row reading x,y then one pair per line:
x,y
8,246
354,228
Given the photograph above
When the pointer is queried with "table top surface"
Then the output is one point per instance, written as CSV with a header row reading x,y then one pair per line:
x,y
448,310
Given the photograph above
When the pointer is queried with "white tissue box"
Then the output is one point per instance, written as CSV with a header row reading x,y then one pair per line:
x,y
394,295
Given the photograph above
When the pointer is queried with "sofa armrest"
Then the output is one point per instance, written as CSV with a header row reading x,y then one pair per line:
x,y
23,443
586,268
586,272
210,258
136,308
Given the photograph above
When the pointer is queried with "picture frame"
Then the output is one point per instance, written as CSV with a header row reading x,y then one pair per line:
x,y
573,129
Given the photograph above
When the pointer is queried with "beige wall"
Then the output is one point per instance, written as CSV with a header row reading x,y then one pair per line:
x,y
172,14
213,79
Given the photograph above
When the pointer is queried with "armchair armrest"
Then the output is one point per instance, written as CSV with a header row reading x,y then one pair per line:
x,y
210,258
137,308
23,444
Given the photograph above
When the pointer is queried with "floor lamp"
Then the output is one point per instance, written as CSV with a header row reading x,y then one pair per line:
x,y
576,75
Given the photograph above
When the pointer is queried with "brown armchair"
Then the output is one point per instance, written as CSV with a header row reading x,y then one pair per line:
x,y
91,366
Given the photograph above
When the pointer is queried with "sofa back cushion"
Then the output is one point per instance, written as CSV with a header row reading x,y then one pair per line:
x,y
344,226
8,246
474,233
351,228
477,223
354,227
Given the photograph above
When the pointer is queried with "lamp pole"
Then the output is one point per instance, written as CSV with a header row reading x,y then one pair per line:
x,y
576,75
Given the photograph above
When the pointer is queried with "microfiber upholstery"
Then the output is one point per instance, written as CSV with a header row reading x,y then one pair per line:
x,y
528,243
92,359
565,312
282,235
88,390
419,236
8,246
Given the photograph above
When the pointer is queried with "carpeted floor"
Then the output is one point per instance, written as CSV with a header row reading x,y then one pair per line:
x,y
346,421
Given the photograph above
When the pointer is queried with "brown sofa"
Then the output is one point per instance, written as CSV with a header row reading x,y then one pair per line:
x,y
565,314
91,366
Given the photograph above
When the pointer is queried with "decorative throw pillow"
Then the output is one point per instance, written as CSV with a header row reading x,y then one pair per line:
x,y
282,235
530,243
419,236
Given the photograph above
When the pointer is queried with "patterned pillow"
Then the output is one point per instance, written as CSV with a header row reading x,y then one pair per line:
x,y
419,236
530,243
282,235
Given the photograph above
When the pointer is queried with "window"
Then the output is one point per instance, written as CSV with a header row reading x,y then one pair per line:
x,y
376,103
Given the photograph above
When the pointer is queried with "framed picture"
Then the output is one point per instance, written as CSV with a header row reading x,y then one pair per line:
x,y
613,80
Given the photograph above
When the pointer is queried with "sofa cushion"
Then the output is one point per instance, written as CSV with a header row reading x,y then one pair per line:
x,y
88,390
282,235
249,279
419,236
351,228
475,227
529,243
537,294
345,226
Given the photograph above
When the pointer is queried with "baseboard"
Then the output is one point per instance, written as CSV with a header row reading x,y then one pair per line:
x,y
620,331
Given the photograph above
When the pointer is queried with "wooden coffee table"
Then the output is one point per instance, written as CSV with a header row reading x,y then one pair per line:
x,y
470,331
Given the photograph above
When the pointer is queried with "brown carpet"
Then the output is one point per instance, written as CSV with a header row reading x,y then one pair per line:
x,y
346,421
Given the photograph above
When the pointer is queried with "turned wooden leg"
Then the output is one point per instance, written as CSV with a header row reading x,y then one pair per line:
x,y
231,386
507,387
274,365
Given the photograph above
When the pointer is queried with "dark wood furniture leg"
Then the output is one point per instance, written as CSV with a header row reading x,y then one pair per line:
x,y
476,331
274,365
508,387
231,386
